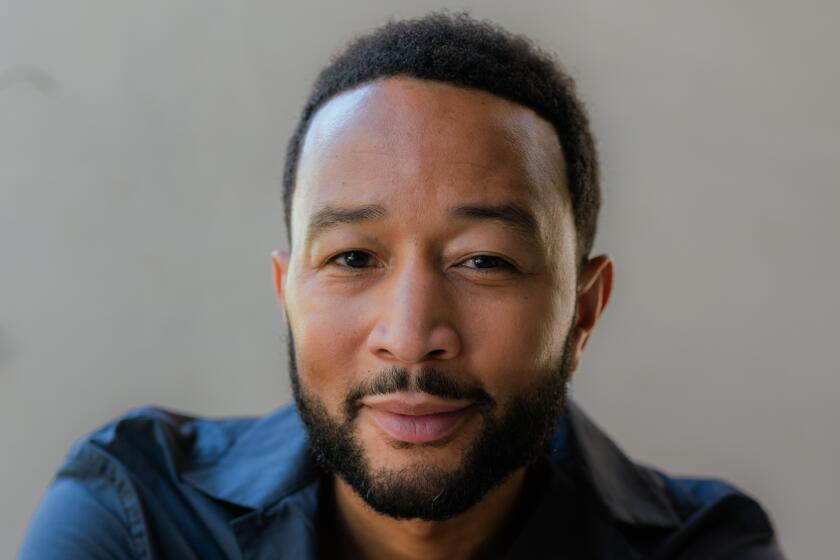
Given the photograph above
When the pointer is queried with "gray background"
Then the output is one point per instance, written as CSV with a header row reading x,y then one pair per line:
x,y
140,160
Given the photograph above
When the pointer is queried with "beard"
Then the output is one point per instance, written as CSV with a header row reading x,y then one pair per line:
x,y
506,441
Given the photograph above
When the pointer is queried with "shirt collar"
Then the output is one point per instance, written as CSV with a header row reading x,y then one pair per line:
x,y
257,465
268,459
631,494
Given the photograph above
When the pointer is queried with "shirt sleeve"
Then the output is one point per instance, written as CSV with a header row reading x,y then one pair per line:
x,y
86,513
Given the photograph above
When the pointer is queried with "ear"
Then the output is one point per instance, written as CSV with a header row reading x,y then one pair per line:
x,y
280,264
593,294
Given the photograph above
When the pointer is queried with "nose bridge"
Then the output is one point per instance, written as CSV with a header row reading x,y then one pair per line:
x,y
415,321
415,292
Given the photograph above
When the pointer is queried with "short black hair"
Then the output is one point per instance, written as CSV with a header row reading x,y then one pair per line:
x,y
457,49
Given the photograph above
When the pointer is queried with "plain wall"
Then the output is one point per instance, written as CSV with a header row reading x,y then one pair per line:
x,y
141,151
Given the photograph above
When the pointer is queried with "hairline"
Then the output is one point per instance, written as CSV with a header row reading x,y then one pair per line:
x,y
316,108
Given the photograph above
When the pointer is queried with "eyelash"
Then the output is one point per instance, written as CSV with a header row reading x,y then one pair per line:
x,y
501,263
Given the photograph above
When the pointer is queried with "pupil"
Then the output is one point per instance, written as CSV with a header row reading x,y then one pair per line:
x,y
355,259
484,261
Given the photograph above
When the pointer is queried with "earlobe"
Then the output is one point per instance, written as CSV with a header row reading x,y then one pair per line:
x,y
280,264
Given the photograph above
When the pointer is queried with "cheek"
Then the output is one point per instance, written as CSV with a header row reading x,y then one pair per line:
x,y
329,334
515,340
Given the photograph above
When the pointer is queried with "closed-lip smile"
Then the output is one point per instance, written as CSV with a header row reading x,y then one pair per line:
x,y
417,417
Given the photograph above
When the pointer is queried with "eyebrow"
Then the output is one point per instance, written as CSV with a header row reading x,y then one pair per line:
x,y
512,216
330,217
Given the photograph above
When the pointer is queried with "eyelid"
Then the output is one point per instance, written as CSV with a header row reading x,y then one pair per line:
x,y
332,259
506,263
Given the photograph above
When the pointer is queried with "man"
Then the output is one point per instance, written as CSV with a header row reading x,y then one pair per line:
x,y
441,198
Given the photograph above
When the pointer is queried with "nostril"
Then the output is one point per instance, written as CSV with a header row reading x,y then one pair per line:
x,y
385,353
411,344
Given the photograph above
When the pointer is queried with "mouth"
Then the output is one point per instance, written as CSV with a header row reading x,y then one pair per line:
x,y
417,417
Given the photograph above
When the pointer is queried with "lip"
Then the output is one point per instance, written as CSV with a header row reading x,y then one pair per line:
x,y
417,418
414,404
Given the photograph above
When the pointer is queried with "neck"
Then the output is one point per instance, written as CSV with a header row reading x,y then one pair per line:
x,y
472,534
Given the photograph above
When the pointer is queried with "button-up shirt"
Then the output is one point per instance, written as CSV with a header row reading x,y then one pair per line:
x,y
156,484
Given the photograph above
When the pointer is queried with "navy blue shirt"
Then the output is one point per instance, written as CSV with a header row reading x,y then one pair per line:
x,y
155,484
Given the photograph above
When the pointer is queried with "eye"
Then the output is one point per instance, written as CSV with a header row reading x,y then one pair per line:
x,y
353,259
485,262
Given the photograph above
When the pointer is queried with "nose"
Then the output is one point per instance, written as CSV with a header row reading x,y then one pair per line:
x,y
415,317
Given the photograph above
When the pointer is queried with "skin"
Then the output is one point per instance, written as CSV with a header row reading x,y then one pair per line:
x,y
413,150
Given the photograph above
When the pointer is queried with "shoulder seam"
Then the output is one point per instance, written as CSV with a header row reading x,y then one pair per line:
x,y
88,459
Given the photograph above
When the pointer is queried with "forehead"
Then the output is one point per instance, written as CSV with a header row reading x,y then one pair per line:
x,y
409,142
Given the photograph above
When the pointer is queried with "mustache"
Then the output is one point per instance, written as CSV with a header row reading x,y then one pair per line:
x,y
428,380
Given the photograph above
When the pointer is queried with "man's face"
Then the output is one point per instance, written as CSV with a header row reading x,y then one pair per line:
x,y
430,291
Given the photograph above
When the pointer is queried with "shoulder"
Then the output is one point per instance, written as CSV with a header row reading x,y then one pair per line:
x,y
153,431
678,517
160,439
137,482
718,520
94,507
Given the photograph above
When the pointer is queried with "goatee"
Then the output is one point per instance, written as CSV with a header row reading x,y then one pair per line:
x,y
507,440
